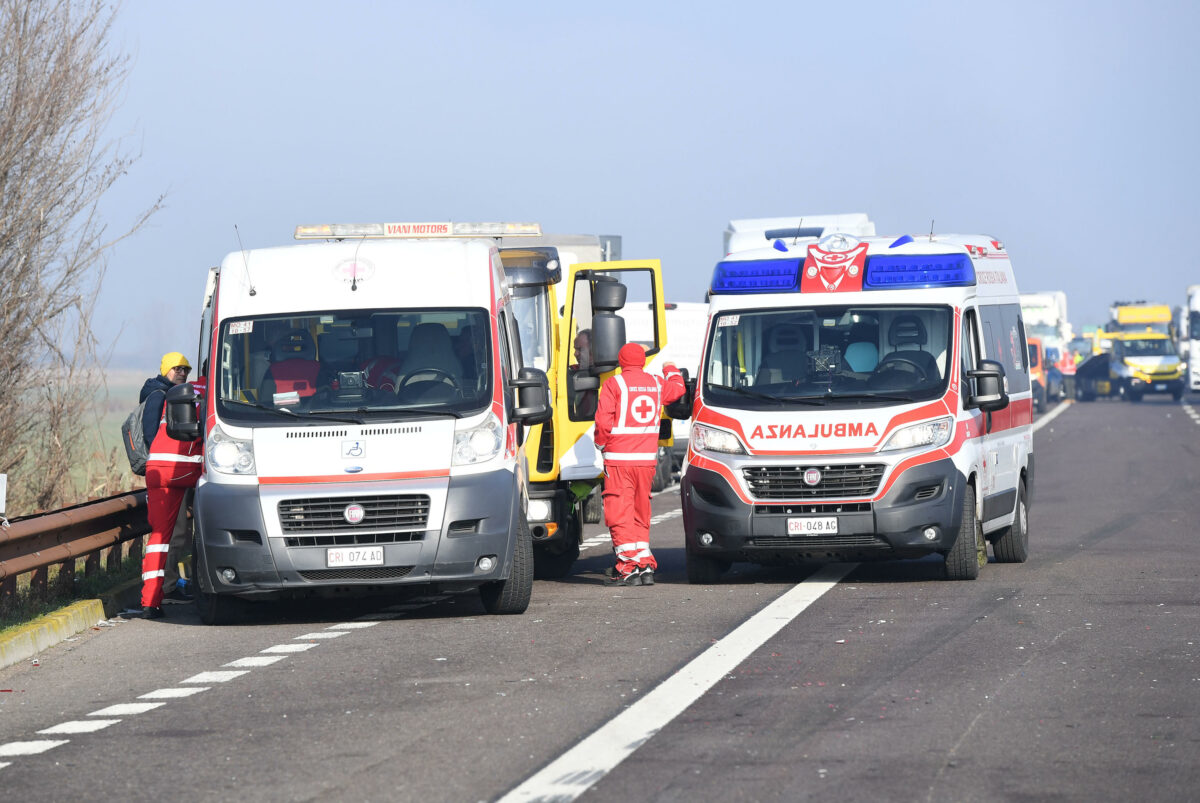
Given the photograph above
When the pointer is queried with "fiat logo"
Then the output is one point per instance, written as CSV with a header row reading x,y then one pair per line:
x,y
355,513
812,476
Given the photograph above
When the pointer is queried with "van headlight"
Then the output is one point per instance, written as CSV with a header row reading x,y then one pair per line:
x,y
229,455
929,433
715,440
479,443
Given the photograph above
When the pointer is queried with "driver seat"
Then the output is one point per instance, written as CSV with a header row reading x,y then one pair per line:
x,y
908,330
430,348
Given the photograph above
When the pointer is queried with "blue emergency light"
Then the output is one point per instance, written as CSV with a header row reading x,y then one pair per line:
x,y
892,272
757,276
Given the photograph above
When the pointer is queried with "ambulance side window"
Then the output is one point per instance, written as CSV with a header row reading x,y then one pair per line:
x,y
1016,367
506,362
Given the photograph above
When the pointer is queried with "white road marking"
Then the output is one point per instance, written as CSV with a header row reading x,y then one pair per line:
x,y
80,726
581,767
216,677
351,625
673,487
288,648
171,694
125,709
4,764
30,748
1053,414
324,634
254,660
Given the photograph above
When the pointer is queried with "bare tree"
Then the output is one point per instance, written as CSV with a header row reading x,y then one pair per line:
x,y
59,82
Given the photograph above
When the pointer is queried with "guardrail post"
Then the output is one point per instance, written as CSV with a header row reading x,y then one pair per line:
x,y
91,564
37,582
113,562
65,582
8,588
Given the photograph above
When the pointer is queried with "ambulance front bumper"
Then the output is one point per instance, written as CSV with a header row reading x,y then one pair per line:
x,y
919,515
241,552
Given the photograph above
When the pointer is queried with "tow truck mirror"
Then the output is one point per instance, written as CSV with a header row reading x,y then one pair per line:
x,y
608,328
681,408
183,424
533,397
989,393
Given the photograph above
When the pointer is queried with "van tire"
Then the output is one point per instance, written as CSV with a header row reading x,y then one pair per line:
x,y
705,570
970,549
593,506
213,609
511,596
1012,545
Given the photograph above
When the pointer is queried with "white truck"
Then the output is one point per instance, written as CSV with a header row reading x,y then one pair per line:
x,y
1191,341
1045,316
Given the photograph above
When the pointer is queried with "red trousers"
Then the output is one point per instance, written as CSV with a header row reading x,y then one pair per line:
x,y
627,514
162,505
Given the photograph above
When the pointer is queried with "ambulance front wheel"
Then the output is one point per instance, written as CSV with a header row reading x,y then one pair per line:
x,y
969,552
705,570
512,595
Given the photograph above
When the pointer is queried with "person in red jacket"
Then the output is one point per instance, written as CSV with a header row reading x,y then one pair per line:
x,y
627,417
172,468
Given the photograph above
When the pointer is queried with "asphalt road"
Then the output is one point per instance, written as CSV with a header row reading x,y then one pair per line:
x,y
1073,676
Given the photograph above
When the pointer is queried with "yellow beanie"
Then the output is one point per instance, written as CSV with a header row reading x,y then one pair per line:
x,y
172,360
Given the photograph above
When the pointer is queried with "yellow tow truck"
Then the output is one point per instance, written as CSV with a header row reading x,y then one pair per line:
x,y
1129,365
565,468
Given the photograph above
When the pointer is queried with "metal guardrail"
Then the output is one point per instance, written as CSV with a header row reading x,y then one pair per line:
x,y
33,544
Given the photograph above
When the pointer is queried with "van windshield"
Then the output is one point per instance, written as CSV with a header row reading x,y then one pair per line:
x,y
352,365
833,355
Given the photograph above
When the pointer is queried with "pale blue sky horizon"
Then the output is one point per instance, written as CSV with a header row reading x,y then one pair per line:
x,y
1065,129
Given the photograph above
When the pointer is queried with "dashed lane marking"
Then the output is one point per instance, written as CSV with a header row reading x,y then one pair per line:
x,y
216,677
1058,410
172,694
125,709
606,539
323,634
79,726
353,625
584,765
254,661
286,648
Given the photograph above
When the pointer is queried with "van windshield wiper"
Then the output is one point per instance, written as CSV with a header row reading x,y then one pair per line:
x,y
869,397
750,394
283,412
409,412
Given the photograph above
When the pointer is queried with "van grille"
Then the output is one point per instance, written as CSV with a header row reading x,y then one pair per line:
x,y
787,482
832,542
353,539
324,514
370,573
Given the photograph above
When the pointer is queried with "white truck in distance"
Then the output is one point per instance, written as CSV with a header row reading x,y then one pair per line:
x,y
1045,316
1191,343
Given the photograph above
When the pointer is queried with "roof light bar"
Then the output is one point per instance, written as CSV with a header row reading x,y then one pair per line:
x,y
339,231
888,272
756,276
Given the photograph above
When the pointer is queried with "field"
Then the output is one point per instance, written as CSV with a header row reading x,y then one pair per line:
x,y
115,402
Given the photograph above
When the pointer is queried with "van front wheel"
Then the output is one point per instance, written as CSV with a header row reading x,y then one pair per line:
x,y
969,552
512,595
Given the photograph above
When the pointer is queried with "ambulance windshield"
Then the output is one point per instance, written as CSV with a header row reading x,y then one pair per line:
x,y
353,365
833,356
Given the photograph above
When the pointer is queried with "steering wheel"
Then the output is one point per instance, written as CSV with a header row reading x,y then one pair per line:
x,y
438,372
923,375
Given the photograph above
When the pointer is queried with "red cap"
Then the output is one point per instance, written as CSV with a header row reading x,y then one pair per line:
x,y
631,355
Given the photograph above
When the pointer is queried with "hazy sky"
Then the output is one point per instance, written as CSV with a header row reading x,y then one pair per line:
x,y
1068,130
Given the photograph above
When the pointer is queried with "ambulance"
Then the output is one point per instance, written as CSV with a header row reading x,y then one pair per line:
x,y
364,417
860,397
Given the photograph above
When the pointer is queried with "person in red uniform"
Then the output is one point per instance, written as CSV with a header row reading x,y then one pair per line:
x,y
627,417
173,467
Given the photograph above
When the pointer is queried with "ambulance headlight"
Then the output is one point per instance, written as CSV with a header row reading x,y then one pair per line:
x,y
478,443
229,455
707,439
930,434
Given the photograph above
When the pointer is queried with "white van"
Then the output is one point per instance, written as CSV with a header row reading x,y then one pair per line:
x,y
365,409
860,397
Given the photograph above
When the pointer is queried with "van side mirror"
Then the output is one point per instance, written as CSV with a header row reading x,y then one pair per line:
x,y
989,393
183,423
533,397
681,408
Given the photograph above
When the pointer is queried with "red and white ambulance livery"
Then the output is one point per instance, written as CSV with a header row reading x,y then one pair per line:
x,y
860,397
365,410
